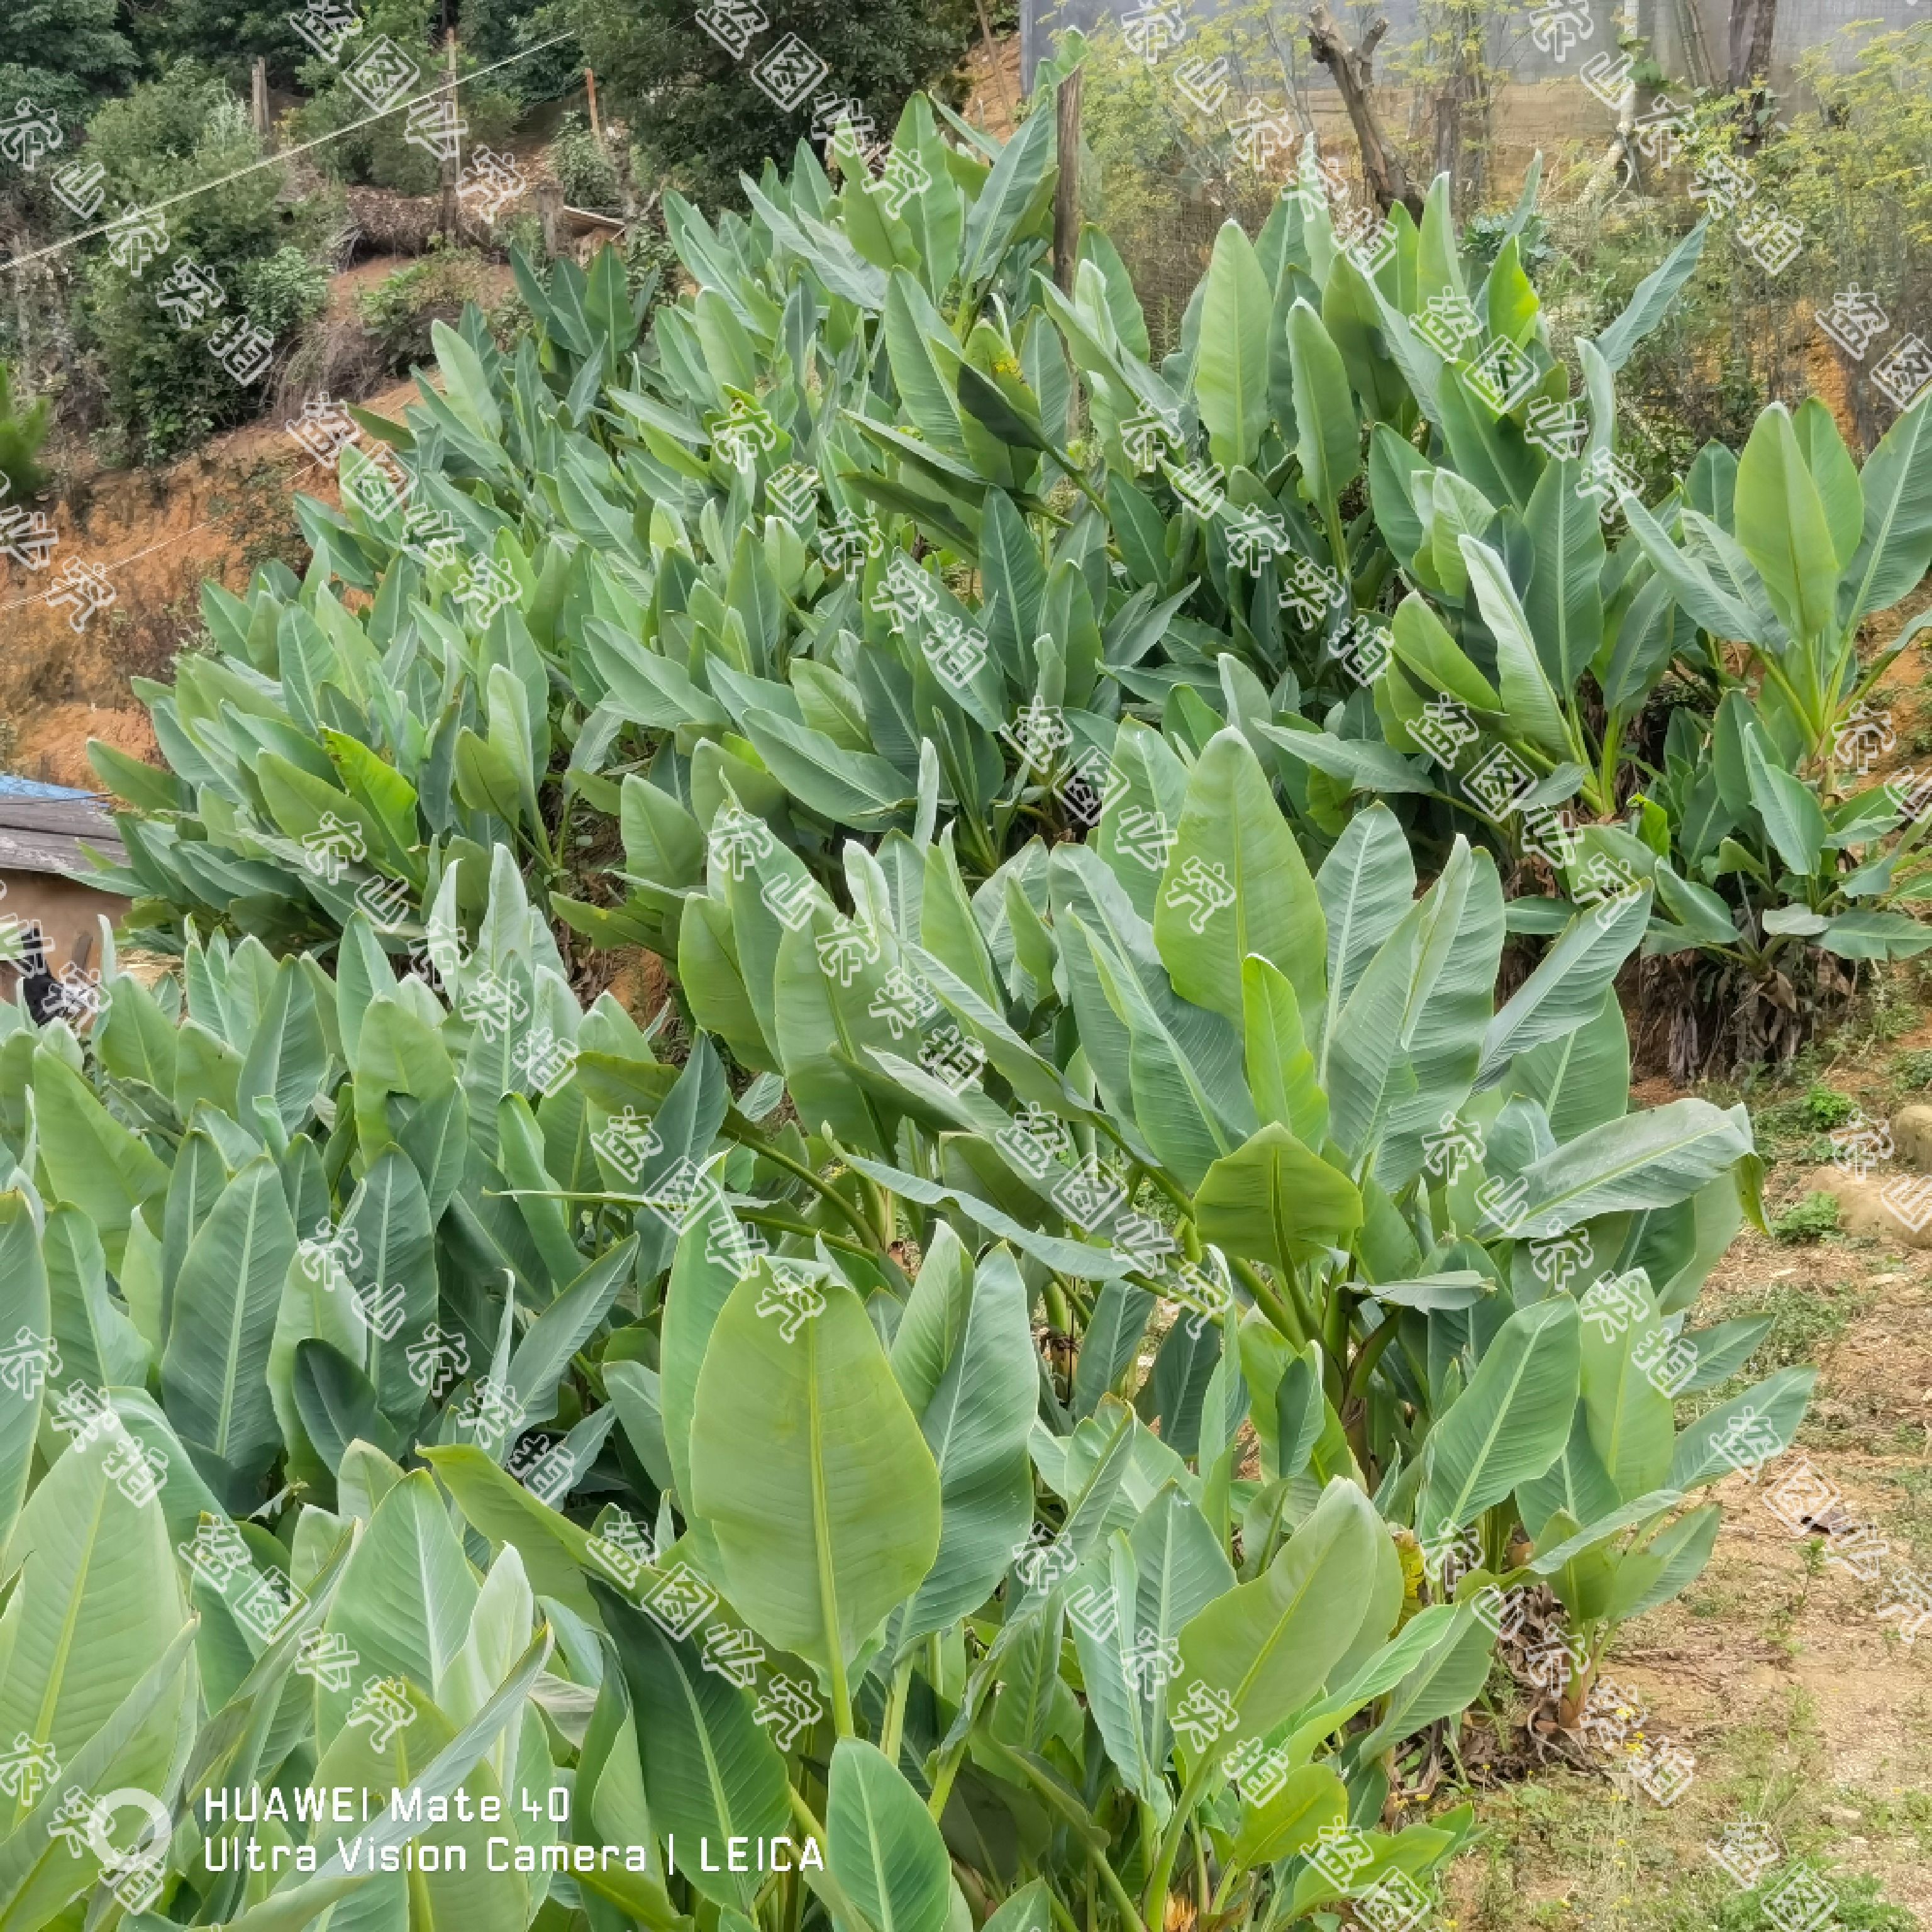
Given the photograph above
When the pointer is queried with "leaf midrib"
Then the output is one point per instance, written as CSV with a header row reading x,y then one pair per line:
x,y
50,1698
821,1511
1264,1653
1881,535
1635,1164
1500,1415
238,1324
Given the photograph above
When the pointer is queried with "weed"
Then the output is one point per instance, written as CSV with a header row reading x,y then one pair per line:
x,y
1809,1220
401,311
1825,1107
584,167
23,429
1859,1905
1794,1125
1885,1011
1804,1320
1913,1068
1906,1813
1912,1515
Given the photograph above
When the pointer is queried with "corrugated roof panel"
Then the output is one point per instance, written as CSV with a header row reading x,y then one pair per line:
x,y
12,785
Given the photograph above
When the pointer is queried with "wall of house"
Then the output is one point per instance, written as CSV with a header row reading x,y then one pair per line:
x,y
65,912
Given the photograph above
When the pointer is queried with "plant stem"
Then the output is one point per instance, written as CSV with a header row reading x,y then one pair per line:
x,y
895,1709
1077,476
762,1217
841,1691
942,1784
787,1224
882,1211
1154,1905
1335,1338
1279,1315
1077,1816
1304,1308
1605,799
1184,1201
799,1170
833,1893
803,1812
1338,547
1064,1919
1775,672
1367,1357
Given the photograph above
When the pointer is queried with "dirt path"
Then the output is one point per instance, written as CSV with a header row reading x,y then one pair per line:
x,y
1803,1707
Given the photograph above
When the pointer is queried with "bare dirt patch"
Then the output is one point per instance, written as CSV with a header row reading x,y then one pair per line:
x,y
1801,1704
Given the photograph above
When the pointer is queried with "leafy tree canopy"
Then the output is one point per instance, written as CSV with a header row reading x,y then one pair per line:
x,y
62,55
229,35
700,115
166,382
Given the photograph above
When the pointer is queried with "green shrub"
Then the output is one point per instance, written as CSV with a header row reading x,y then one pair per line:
x,y
698,114
584,167
167,389
401,310
23,430
1810,1220
64,55
1153,176
1826,1107
383,154
1484,234
227,36
1913,1068
650,263
1856,169
496,30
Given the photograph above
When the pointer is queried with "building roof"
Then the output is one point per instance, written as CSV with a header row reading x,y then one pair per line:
x,y
12,786
43,826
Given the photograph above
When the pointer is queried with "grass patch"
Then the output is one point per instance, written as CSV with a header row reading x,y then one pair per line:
x,y
1912,1070
1860,1905
1804,1321
1810,1220
1798,1126
1567,1851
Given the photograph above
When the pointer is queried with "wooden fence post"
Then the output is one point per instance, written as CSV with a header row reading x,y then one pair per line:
x,y
449,143
258,101
1066,191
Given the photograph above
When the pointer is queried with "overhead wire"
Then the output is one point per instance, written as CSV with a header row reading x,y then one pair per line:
x,y
167,543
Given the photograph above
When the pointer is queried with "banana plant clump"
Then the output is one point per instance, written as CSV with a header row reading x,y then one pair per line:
x,y
875,523
453,1459
1028,1395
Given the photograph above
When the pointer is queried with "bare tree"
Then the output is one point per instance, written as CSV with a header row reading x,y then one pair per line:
x,y
1382,167
1753,24
1623,162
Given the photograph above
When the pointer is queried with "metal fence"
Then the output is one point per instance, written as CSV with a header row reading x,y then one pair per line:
x,y
1688,38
